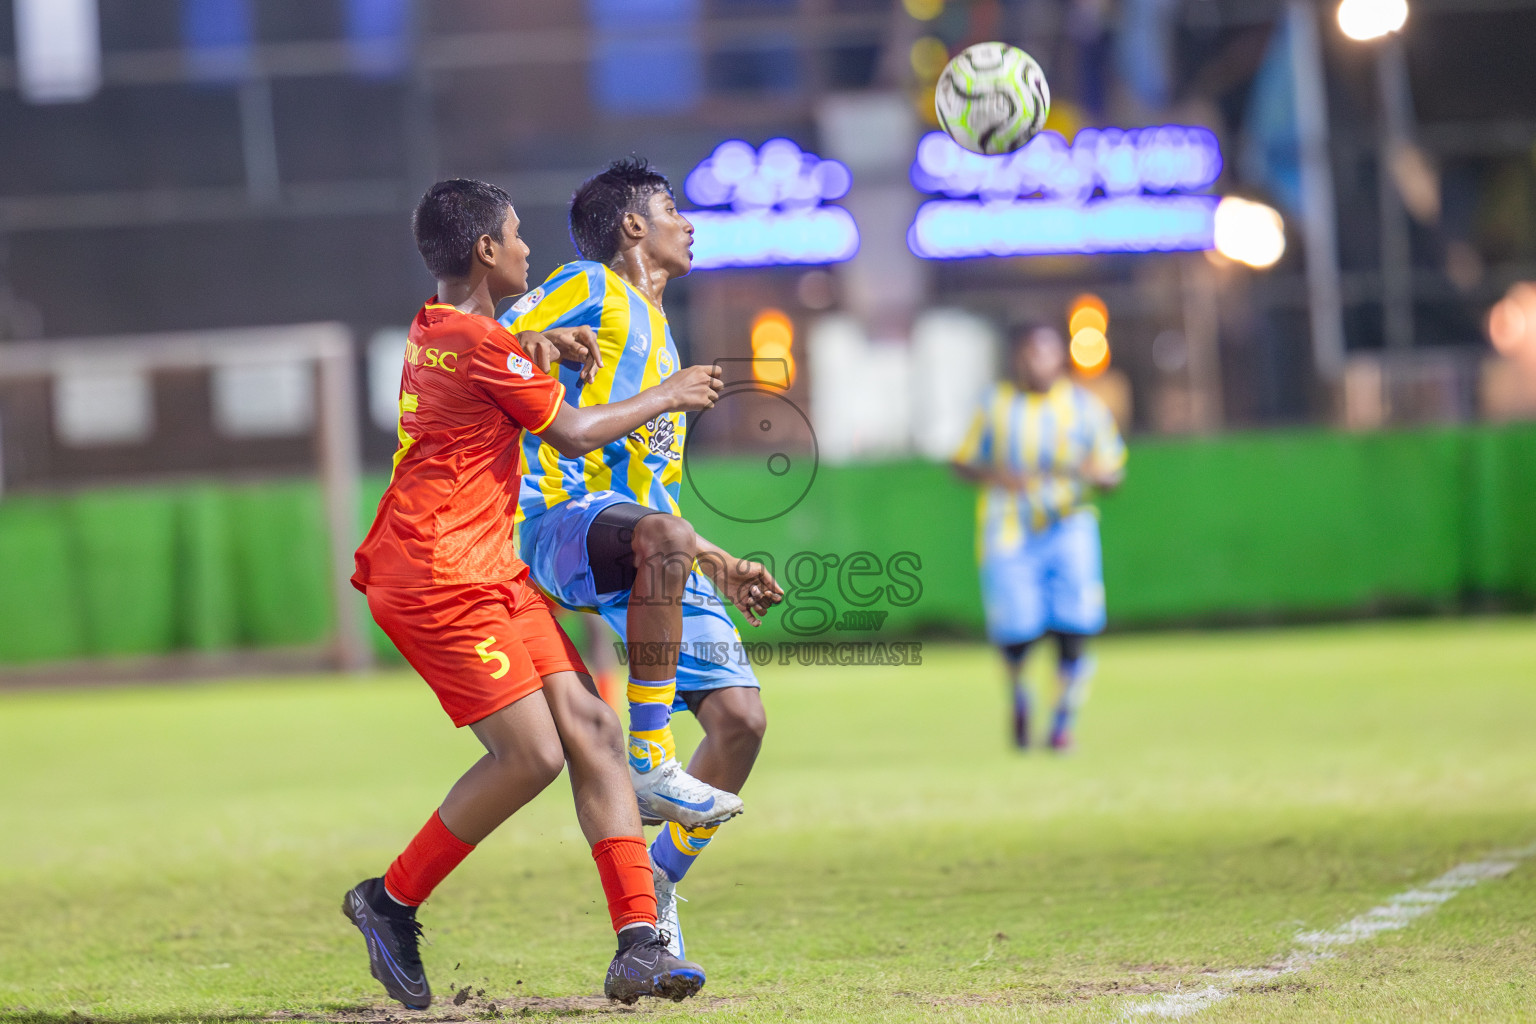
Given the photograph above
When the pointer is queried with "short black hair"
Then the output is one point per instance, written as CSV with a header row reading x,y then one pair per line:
x,y
599,205
1021,331
450,219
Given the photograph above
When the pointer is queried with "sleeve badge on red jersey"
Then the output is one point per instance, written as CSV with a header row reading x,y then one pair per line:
x,y
520,366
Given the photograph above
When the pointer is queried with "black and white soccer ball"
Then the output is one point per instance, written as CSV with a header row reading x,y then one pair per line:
x,y
992,98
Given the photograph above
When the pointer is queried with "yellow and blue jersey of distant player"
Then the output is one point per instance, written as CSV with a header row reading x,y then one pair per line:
x,y
638,352
1049,436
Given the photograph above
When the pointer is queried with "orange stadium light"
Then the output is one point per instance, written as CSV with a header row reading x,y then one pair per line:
x,y
1087,323
773,342
1089,351
1088,310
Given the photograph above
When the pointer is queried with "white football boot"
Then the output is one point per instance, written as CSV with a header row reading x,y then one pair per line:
x,y
666,912
668,793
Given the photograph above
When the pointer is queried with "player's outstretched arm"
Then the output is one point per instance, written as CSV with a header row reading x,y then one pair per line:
x,y
576,431
1103,478
1104,468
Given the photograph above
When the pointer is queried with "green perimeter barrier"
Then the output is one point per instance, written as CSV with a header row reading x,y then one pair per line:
x,y
40,615
1243,527
138,570
125,569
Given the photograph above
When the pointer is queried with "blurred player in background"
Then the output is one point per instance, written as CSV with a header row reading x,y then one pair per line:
x,y
1039,447
605,533
444,582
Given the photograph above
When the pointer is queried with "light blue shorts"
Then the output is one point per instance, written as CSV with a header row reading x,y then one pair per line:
x,y
1054,581
554,544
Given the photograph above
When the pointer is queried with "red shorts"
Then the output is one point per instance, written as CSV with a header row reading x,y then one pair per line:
x,y
480,646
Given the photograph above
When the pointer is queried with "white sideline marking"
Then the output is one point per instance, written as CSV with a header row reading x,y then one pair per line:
x,y
1398,912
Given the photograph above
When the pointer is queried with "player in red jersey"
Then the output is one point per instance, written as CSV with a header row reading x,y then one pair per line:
x,y
444,582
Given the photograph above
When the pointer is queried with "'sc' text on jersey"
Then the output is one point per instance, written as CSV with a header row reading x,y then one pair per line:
x,y
431,358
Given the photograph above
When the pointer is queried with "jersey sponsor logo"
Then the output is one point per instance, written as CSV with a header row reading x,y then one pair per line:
x,y
664,364
520,366
662,432
431,358
528,301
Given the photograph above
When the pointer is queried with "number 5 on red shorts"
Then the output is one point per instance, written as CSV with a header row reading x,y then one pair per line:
x,y
483,648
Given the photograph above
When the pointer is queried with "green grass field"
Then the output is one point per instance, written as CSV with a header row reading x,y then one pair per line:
x,y
180,853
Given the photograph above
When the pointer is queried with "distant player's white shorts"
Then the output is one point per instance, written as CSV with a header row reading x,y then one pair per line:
x,y
1054,581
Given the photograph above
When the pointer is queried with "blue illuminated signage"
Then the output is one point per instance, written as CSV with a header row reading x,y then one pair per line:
x,y
776,217
1110,190
954,228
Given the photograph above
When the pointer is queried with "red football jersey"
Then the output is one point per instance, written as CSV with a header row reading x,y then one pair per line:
x,y
467,393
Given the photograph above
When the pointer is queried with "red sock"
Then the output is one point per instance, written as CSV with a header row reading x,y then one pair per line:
x,y
624,865
426,861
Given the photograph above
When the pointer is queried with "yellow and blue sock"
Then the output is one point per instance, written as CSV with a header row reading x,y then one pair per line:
x,y
650,722
1074,681
1021,711
1013,657
676,848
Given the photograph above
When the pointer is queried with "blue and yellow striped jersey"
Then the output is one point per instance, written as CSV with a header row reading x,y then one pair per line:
x,y
638,352
1050,437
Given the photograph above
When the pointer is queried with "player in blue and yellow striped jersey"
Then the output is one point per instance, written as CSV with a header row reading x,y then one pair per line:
x,y
1040,446
586,524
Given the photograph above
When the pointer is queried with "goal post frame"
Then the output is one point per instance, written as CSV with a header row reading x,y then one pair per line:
x,y
328,347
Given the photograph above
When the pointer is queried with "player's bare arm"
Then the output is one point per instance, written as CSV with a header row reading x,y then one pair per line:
x,y
1102,478
746,584
575,432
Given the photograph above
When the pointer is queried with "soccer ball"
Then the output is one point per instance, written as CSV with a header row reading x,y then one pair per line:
x,y
992,98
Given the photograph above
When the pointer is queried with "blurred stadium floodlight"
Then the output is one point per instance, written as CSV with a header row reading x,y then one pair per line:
x,y
104,382
1249,233
58,50
1363,20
